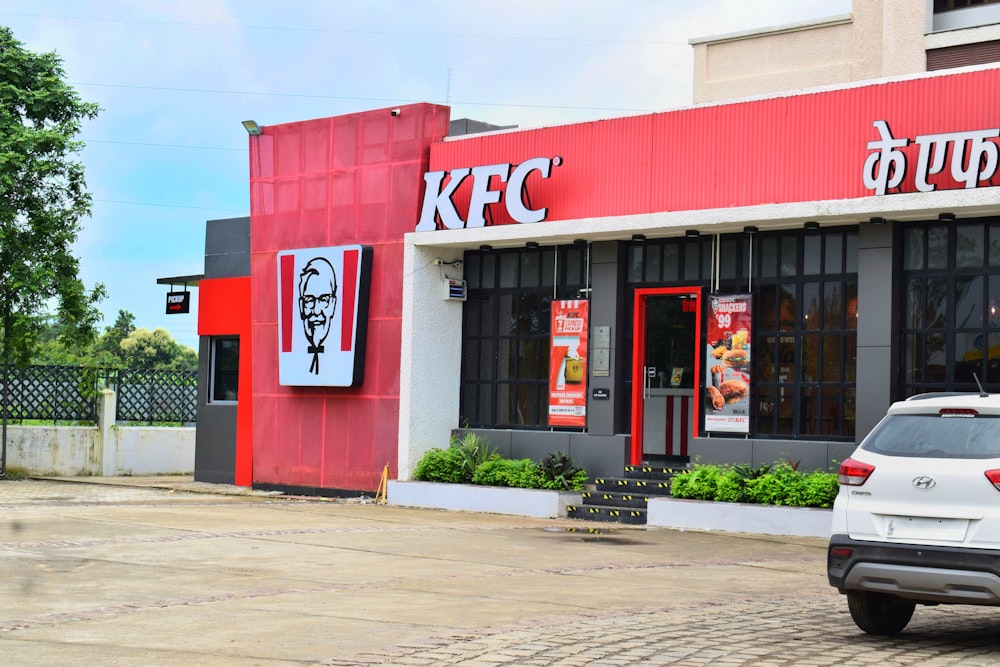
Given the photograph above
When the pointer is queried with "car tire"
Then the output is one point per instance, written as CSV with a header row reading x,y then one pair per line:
x,y
879,613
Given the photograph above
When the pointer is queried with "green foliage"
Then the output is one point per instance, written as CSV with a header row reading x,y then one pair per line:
x,y
471,451
439,465
731,487
699,483
560,472
43,198
16,473
156,349
470,460
820,489
458,463
121,345
777,484
518,473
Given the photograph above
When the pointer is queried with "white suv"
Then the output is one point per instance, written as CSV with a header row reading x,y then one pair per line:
x,y
917,519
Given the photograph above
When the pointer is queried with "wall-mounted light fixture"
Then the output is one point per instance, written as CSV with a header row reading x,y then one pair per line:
x,y
692,233
877,221
750,229
579,243
486,247
639,237
252,128
811,225
946,217
531,245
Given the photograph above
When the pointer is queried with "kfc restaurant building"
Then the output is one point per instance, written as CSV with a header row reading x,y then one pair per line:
x,y
737,282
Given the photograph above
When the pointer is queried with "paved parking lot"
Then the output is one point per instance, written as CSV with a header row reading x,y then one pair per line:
x,y
168,572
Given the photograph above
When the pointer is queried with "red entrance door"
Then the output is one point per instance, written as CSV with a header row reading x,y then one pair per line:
x,y
666,370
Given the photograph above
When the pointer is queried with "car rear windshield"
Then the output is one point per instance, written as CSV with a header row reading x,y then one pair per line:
x,y
934,436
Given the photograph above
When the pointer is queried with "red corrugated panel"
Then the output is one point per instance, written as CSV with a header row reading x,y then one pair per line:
x,y
331,181
798,148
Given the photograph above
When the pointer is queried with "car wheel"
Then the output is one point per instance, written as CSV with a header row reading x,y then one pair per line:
x,y
878,613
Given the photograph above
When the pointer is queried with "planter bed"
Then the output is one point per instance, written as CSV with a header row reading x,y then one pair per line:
x,y
739,517
540,503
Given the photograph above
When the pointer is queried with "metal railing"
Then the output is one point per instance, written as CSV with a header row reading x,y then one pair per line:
x,y
69,393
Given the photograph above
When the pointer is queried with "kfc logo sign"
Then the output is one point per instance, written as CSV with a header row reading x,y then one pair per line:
x,y
438,203
322,315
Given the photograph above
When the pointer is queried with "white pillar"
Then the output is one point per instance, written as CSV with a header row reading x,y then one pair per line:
x,y
107,435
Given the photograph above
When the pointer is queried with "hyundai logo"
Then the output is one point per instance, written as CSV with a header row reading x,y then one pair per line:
x,y
924,482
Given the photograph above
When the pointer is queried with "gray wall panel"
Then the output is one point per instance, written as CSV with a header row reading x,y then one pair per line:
x,y
227,248
604,309
877,324
215,435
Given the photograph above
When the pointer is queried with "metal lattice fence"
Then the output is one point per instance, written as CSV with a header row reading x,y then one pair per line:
x,y
69,393
157,396
51,393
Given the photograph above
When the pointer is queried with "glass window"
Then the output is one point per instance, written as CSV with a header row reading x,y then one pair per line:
x,y
805,351
505,353
969,245
225,369
951,307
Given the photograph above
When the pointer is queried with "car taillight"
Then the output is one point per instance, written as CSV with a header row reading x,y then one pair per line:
x,y
958,412
994,477
855,473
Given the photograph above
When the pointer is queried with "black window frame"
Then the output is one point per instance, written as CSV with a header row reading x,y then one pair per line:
x,y
505,331
224,369
785,251
930,296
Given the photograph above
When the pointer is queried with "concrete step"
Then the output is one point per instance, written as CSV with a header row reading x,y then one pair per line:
x,y
632,486
610,499
607,514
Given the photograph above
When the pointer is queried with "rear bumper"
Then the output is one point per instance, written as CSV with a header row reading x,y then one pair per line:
x,y
916,572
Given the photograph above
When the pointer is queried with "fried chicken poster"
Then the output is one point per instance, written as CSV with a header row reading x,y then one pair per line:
x,y
727,381
568,364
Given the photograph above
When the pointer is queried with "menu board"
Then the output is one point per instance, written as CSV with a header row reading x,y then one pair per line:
x,y
727,376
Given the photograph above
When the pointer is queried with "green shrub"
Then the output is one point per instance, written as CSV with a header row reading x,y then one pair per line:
x,y
699,483
471,460
561,473
820,489
731,487
777,484
472,451
458,463
439,465
518,473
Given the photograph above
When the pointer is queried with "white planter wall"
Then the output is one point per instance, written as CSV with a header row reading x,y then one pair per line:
x,y
739,517
538,503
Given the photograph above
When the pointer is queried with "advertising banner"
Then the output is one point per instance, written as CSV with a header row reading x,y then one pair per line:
x,y
568,364
323,315
727,378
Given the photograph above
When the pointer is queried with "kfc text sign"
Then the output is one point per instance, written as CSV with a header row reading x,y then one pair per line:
x,y
438,201
323,315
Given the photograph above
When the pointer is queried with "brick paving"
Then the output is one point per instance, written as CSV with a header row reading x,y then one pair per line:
x,y
159,571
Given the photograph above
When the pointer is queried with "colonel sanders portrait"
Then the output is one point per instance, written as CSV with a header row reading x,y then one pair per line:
x,y
317,304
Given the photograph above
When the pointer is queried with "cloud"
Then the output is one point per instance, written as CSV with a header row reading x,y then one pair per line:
x,y
176,77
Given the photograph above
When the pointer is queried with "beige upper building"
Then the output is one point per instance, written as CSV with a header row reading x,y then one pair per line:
x,y
880,38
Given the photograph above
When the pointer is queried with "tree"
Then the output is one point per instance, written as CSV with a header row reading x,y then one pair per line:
x,y
109,345
157,349
43,197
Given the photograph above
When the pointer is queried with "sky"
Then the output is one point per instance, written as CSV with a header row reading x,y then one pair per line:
x,y
175,78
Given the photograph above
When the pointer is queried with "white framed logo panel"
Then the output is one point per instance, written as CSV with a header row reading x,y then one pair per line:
x,y
323,315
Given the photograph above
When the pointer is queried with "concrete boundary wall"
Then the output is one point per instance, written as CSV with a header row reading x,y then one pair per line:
x,y
103,450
